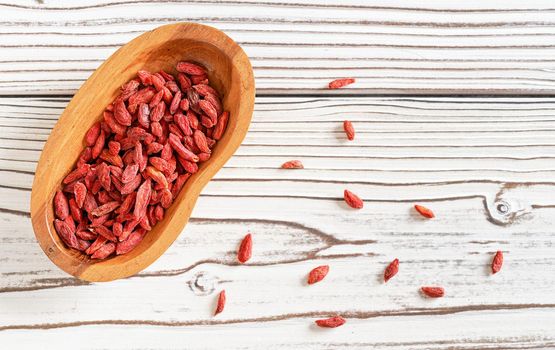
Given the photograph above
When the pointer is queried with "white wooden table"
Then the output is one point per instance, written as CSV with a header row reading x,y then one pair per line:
x,y
454,108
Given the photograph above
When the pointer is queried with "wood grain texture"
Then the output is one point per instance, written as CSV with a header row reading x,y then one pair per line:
x,y
399,47
466,158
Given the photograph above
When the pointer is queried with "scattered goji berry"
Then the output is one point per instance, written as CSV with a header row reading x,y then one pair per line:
x,y
331,322
245,249
353,200
349,130
433,292
318,273
425,212
292,164
221,303
497,262
339,83
391,270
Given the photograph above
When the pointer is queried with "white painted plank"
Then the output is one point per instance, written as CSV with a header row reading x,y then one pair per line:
x,y
460,156
508,330
296,48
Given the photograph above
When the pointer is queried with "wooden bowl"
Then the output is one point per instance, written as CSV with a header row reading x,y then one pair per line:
x,y
230,72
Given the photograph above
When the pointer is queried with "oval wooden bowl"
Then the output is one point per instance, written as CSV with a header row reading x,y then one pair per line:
x,y
230,72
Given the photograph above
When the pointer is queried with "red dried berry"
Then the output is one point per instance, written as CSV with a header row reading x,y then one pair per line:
x,y
77,174
75,211
104,251
293,164
214,101
131,242
190,68
433,292
497,262
349,130
221,303
67,233
339,83
61,205
105,232
80,192
121,113
99,144
391,270
425,212
105,208
331,322
114,147
99,242
353,200
318,273
142,199
220,125
92,134
245,249
200,141
184,81
204,90
113,124
181,151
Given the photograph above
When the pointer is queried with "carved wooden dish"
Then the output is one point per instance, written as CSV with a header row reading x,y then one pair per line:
x,y
229,71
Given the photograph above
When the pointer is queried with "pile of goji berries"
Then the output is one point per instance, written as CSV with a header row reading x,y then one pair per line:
x,y
136,161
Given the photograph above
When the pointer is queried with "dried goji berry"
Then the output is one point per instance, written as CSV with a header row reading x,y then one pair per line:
x,y
221,303
318,273
391,270
61,205
220,126
433,292
497,262
339,83
425,212
129,173
245,249
105,208
80,192
66,233
92,134
190,68
331,322
104,251
293,164
121,114
353,200
131,242
143,197
349,130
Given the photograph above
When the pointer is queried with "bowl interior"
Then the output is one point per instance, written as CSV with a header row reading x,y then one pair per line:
x,y
66,142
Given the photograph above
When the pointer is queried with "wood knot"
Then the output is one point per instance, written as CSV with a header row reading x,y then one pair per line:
x,y
506,207
503,208
202,283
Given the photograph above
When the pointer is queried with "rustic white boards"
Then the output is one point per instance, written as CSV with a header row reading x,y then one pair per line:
x,y
481,155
